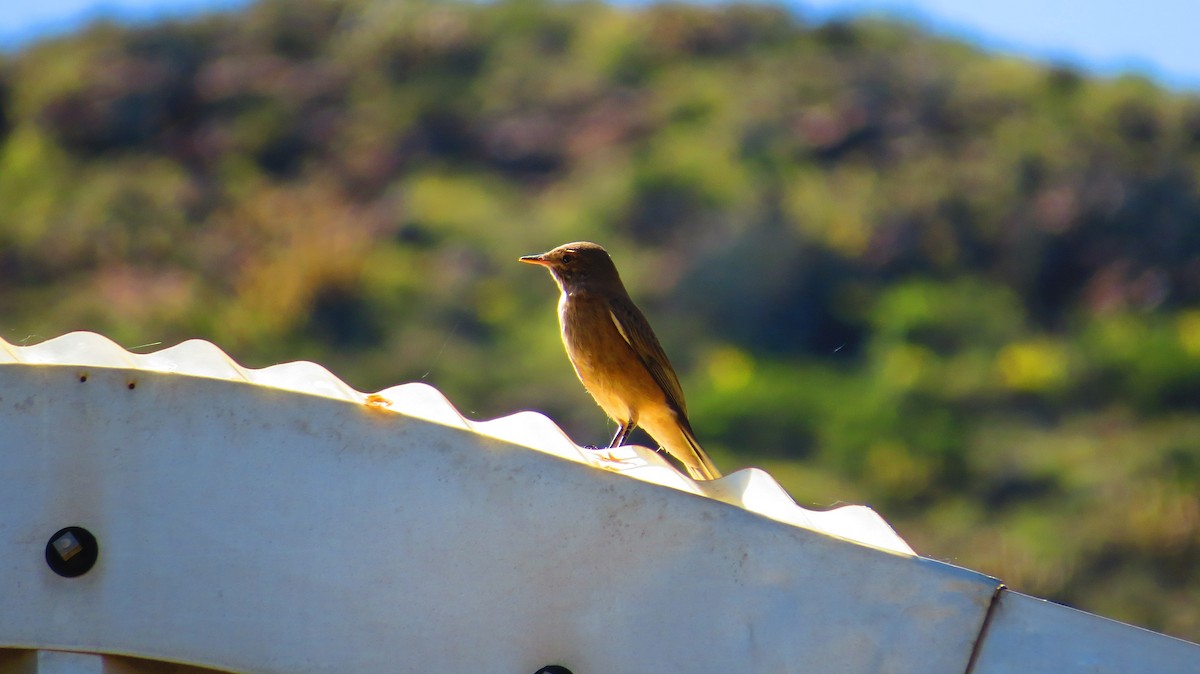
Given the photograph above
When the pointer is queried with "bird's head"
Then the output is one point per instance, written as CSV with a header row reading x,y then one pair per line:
x,y
577,265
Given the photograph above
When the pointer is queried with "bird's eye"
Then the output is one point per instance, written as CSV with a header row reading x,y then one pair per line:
x,y
566,259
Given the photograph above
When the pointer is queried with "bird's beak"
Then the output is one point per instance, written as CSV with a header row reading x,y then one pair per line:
x,y
536,259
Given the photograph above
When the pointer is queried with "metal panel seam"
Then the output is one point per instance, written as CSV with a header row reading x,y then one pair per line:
x,y
983,628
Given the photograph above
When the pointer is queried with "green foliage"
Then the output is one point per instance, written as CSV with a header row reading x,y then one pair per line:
x,y
889,269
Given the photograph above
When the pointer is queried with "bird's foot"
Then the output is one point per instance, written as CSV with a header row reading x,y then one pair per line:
x,y
605,455
610,462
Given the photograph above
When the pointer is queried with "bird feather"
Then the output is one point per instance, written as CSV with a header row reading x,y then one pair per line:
x,y
636,332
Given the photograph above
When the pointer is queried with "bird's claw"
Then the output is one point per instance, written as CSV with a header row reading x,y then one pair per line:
x,y
604,454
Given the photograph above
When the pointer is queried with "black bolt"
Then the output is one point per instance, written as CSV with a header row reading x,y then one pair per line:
x,y
72,552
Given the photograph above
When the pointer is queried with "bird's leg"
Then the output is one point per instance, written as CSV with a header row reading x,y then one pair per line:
x,y
623,431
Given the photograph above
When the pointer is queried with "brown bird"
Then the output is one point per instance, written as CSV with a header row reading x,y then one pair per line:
x,y
617,356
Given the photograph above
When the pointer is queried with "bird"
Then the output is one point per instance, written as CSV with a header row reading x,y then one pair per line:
x,y
617,356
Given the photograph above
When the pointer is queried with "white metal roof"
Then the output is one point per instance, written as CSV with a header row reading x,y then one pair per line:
x,y
271,521
751,489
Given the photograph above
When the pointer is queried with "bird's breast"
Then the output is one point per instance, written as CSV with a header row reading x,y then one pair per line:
x,y
606,364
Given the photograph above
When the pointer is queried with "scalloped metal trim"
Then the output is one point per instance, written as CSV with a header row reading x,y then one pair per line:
x,y
751,488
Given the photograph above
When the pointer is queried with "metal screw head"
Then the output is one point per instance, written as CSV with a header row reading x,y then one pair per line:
x,y
72,552
66,545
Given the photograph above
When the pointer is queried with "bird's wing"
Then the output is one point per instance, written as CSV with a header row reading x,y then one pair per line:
x,y
636,332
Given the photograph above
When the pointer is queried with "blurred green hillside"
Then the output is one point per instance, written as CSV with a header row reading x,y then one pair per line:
x,y
890,269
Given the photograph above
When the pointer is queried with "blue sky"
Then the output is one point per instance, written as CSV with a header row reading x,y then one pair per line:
x,y
1156,38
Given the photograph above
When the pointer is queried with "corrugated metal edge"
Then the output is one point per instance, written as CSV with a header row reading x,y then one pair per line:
x,y
750,489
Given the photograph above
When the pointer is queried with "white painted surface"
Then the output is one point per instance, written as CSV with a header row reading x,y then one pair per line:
x,y
269,521
751,489
58,662
18,661
254,529
1034,636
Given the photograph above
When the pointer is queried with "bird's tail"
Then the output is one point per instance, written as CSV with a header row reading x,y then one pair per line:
x,y
702,467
